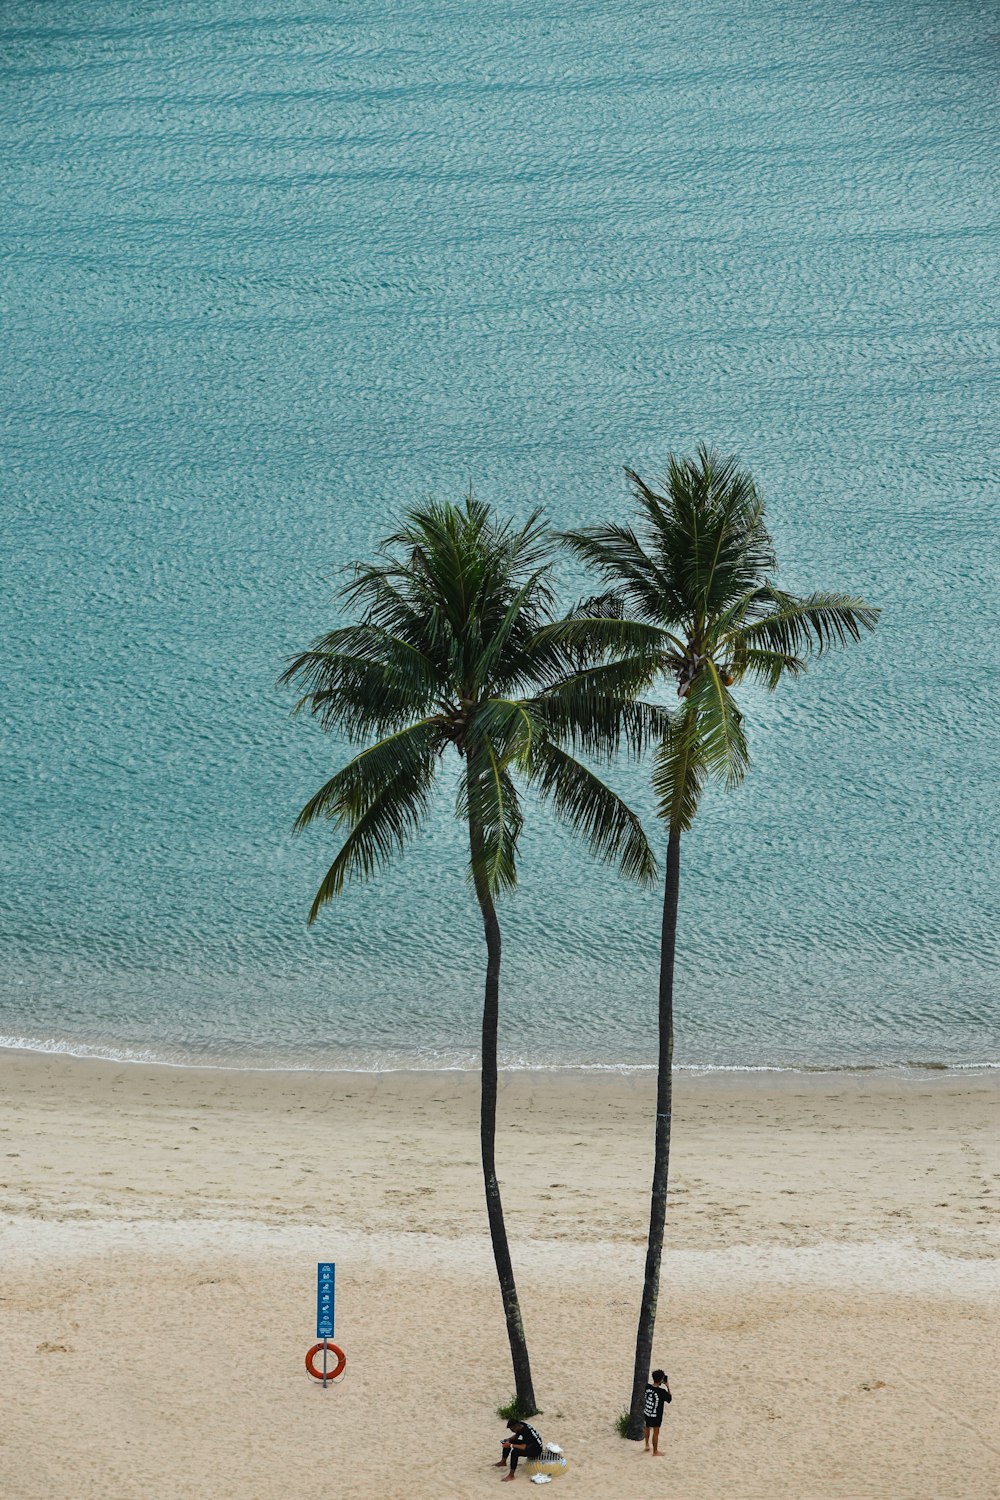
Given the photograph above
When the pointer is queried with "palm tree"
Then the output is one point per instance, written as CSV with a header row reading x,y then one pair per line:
x,y
697,579
458,648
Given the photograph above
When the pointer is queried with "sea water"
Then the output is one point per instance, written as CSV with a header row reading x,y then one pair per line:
x,y
268,277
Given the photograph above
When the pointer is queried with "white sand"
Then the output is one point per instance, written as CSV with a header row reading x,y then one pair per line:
x,y
827,1311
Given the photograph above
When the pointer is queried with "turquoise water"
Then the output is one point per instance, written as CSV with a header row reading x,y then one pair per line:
x,y
266,277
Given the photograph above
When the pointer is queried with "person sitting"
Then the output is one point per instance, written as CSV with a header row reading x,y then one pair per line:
x,y
524,1442
505,1443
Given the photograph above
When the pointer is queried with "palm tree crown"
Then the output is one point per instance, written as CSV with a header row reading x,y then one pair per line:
x,y
694,583
458,646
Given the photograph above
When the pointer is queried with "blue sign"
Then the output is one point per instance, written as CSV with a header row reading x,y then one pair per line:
x,y
326,1280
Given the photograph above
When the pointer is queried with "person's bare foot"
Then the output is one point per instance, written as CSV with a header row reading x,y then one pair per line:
x,y
501,1463
657,1453
507,1478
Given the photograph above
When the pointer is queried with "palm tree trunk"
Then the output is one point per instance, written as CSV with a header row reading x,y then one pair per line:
x,y
523,1386
661,1158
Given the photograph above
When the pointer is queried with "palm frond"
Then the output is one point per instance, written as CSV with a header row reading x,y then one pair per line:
x,y
590,636
389,599
509,726
813,623
617,553
597,709
389,820
404,759
504,638
587,805
706,531
767,667
722,746
609,605
488,801
679,771
363,681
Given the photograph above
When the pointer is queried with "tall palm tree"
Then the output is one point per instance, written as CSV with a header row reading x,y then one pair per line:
x,y
697,578
458,648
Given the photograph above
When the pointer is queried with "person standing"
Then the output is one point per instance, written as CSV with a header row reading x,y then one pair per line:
x,y
657,1397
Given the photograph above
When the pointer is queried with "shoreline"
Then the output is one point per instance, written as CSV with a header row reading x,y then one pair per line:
x,y
92,1052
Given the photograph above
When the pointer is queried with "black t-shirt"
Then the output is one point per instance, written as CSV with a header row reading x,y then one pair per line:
x,y
531,1440
656,1396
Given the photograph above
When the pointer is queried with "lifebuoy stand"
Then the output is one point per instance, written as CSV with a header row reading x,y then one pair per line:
x,y
326,1283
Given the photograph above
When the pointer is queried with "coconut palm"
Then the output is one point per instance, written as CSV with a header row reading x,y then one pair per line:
x,y
457,648
696,576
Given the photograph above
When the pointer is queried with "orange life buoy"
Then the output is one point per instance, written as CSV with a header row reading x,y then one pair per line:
x,y
331,1374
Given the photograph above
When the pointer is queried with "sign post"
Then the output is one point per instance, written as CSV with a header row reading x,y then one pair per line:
x,y
326,1282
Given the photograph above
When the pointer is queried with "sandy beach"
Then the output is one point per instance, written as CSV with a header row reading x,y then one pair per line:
x,y
827,1311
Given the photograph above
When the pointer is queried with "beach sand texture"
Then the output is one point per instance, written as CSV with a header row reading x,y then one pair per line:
x,y
827,1309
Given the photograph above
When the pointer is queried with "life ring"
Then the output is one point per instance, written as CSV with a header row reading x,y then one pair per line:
x,y
331,1374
